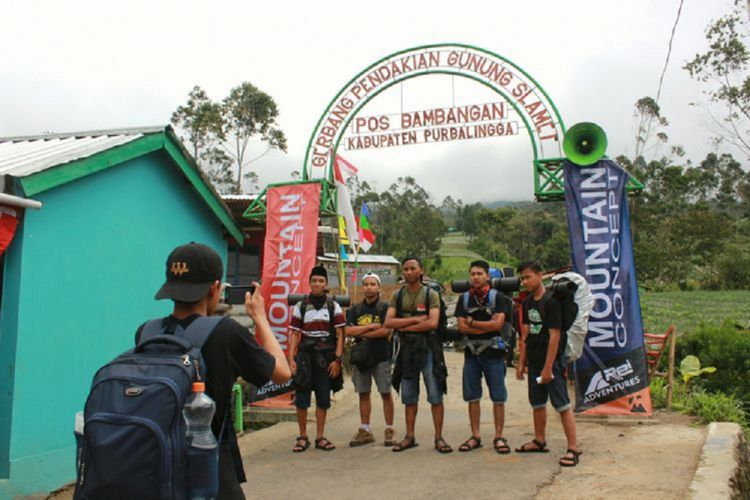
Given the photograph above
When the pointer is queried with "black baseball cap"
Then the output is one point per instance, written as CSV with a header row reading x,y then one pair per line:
x,y
191,270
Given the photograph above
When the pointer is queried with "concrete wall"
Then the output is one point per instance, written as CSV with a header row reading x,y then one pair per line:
x,y
80,277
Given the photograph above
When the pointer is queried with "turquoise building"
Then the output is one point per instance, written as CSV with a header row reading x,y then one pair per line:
x,y
80,275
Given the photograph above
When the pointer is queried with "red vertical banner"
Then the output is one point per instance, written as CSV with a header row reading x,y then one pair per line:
x,y
8,224
289,254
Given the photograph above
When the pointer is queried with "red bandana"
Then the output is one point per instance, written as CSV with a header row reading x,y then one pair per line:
x,y
480,295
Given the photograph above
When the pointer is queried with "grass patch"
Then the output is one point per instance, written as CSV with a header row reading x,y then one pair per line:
x,y
453,268
454,260
456,245
687,310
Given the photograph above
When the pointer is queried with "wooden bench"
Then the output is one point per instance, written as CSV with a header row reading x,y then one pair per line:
x,y
656,344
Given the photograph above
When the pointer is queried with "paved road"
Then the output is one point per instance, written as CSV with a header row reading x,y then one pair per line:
x,y
623,459
619,461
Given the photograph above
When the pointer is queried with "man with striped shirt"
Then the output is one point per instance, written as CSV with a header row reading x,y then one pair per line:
x,y
316,347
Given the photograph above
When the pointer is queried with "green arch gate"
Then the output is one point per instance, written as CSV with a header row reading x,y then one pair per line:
x,y
531,102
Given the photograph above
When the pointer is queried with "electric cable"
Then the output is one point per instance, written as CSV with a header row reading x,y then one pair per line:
x,y
669,50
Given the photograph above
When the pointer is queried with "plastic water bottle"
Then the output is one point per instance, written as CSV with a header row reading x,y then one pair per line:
x,y
202,448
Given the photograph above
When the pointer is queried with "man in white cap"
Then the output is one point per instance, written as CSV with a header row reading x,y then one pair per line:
x,y
370,359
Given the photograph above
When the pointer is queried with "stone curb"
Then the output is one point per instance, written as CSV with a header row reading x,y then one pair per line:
x,y
720,465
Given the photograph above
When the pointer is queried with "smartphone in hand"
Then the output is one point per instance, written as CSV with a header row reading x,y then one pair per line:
x,y
235,294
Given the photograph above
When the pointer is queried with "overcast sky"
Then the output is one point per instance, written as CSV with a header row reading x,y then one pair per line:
x,y
75,65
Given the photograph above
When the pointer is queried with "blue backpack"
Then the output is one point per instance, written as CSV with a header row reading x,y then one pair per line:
x,y
507,331
134,443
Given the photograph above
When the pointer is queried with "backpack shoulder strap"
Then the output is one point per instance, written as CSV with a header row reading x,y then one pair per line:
x,y
491,299
331,313
382,310
200,330
465,300
400,303
151,329
543,303
302,311
354,310
426,298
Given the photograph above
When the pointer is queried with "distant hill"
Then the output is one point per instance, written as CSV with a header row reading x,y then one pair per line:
x,y
507,203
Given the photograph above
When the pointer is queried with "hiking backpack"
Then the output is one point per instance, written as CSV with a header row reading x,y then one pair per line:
x,y
134,443
331,312
507,332
576,308
442,328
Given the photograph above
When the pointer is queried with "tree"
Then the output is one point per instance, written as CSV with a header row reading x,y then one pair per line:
x,y
405,220
201,118
249,113
650,124
724,68
220,135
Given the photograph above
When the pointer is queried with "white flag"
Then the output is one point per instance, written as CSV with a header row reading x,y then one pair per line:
x,y
343,170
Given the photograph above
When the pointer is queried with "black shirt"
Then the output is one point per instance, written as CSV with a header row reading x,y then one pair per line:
x,y
365,314
230,352
541,315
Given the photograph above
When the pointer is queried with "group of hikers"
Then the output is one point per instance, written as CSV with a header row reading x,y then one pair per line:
x,y
394,343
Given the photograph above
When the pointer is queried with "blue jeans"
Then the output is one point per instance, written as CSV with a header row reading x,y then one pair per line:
x,y
493,369
410,388
556,391
321,384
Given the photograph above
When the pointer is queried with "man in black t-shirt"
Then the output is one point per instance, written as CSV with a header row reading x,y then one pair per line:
x,y
542,353
364,322
481,314
193,281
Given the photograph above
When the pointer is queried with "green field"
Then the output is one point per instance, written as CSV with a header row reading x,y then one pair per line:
x,y
455,258
454,245
686,310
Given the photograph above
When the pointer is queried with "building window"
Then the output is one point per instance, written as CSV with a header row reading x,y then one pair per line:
x,y
243,265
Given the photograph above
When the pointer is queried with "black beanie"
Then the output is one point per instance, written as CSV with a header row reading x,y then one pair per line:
x,y
319,271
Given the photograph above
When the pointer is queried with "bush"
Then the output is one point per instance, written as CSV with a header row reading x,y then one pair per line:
x,y
734,267
728,349
715,407
658,387
706,406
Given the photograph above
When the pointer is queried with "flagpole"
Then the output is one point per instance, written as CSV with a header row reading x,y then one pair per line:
x,y
342,271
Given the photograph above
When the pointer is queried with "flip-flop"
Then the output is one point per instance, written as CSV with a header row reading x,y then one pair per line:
x,y
567,461
471,444
299,448
504,448
541,447
410,443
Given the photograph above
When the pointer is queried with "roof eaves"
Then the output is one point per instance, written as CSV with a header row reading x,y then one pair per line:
x,y
66,172
88,133
152,139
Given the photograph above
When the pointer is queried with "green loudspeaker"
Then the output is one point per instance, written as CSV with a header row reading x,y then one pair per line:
x,y
585,143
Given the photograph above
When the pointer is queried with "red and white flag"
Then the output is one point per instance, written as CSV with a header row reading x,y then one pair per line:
x,y
342,171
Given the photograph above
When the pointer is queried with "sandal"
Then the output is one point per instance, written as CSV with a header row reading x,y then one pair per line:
x,y
540,447
570,461
405,444
442,446
324,444
471,444
501,445
303,443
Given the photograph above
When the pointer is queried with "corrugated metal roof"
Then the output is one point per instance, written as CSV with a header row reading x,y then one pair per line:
x,y
239,197
364,258
23,156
